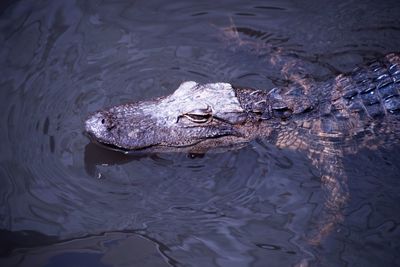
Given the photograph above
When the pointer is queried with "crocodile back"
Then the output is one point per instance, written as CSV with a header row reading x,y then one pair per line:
x,y
361,108
371,91
365,100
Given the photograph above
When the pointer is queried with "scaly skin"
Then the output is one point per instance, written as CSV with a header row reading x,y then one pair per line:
x,y
344,106
195,114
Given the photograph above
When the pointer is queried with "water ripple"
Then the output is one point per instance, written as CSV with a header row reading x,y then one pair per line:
x,y
63,60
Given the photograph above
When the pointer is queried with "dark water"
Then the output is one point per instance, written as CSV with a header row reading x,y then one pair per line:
x,y
66,202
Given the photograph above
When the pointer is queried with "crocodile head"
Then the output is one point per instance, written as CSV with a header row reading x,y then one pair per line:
x,y
194,116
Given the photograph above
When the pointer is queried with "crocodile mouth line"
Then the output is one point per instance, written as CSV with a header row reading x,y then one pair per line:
x,y
149,148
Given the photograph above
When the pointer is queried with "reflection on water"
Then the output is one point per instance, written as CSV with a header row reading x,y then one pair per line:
x,y
108,249
65,200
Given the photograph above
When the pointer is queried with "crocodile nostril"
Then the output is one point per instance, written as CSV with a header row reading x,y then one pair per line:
x,y
103,121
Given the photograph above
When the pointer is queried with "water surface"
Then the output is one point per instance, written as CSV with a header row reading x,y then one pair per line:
x,y
64,201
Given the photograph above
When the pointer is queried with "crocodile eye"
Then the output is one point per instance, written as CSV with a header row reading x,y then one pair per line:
x,y
197,118
201,115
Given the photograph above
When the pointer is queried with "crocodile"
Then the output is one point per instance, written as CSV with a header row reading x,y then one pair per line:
x,y
197,117
324,120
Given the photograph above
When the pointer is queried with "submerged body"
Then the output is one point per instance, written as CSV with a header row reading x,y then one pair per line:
x,y
199,117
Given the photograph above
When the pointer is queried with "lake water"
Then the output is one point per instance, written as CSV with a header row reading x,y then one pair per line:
x,y
67,202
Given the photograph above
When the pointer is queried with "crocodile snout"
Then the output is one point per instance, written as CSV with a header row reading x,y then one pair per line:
x,y
97,125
